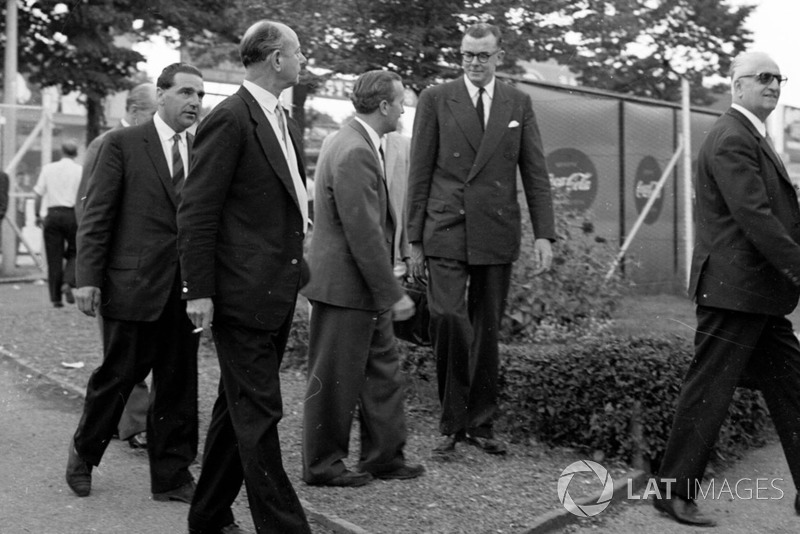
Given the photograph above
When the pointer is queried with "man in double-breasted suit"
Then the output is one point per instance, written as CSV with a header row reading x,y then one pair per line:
x,y
242,222
745,279
471,136
127,270
351,355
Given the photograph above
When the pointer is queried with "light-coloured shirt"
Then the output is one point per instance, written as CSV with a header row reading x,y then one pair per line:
x,y
269,104
488,96
166,134
376,142
58,184
760,126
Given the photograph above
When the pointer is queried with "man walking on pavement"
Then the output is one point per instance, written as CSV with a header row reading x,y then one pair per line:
x,y
745,279
128,270
56,190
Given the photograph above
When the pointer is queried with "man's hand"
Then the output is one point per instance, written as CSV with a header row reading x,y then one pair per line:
x,y
542,256
403,309
88,299
200,312
417,262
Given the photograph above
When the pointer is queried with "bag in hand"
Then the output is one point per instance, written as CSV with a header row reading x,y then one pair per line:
x,y
415,329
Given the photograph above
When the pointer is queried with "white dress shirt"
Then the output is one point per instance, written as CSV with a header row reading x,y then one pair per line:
x,y
165,134
488,96
269,104
376,142
58,184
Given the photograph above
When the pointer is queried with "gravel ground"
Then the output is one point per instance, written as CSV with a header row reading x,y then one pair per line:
x,y
477,493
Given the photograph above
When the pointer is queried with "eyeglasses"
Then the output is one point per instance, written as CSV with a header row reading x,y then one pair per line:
x,y
483,57
765,78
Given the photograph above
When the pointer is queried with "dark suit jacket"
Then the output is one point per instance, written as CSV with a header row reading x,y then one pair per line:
x,y
462,196
241,228
127,235
746,255
89,162
350,256
4,187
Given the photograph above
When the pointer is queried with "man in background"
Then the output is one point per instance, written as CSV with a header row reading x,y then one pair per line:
x,y
242,222
128,271
352,360
471,136
55,191
745,279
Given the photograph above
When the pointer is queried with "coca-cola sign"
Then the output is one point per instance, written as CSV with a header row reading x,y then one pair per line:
x,y
572,172
647,175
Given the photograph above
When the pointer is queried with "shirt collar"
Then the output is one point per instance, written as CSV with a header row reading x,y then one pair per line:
x,y
165,132
373,135
472,89
760,126
264,98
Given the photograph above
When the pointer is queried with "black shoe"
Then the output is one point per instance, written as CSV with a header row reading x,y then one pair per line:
x,y
446,446
180,494
58,304
79,473
404,472
66,289
489,445
347,479
683,511
138,441
233,528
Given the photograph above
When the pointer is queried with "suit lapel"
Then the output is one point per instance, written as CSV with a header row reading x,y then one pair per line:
x,y
382,171
270,144
156,154
499,115
763,145
464,113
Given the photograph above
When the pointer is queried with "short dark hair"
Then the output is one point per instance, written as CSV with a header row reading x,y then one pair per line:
x,y
69,148
260,40
482,29
167,77
372,88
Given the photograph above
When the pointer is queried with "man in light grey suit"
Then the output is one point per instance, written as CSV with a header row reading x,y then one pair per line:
x,y
471,136
355,296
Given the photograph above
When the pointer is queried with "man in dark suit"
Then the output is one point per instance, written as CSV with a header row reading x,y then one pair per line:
x,y
745,279
128,271
471,135
355,296
140,106
242,222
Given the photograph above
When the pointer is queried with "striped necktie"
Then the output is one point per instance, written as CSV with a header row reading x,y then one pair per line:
x,y
178,173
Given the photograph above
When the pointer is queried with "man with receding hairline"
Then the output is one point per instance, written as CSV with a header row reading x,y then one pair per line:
x,y
745,279
241,225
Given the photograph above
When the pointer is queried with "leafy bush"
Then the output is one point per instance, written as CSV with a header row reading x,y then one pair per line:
x,y
586,395
573,297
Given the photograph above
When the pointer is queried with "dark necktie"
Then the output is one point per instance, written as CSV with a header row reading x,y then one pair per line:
x,y
772,147
383,159
479,107
177,163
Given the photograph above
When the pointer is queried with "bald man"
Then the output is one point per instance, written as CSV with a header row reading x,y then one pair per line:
x,y
745,279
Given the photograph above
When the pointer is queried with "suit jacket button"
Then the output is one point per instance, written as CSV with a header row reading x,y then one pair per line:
x,y
461,212
456,154
294,262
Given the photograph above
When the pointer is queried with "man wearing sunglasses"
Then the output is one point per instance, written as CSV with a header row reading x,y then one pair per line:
x,y
745,279
471,137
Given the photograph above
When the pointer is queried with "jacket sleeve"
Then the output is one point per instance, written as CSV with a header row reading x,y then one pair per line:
x,y
535,178
424,150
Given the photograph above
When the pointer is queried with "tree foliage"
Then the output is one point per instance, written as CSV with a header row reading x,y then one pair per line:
x,y
80,45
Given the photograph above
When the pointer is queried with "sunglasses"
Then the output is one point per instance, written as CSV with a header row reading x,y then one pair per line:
x,y
765,78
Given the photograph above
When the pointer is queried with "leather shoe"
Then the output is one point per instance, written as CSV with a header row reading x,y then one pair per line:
x,y
446,446
233,528
348,479
683,511
79,473
404,472
180,494
138,441
489,445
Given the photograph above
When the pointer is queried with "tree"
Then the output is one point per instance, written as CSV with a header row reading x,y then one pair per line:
x,y
80,46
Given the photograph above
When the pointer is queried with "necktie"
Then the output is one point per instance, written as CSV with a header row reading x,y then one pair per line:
x,y
383,159
479,107
177,163
772,146
281,122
